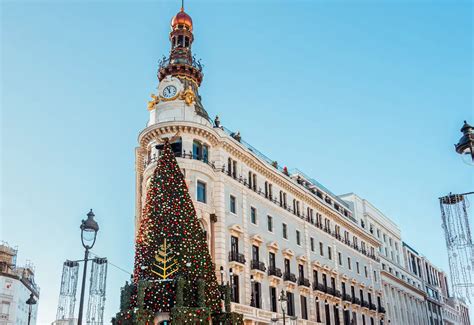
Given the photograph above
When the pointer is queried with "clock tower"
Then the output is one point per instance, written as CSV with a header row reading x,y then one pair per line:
x,y
180,76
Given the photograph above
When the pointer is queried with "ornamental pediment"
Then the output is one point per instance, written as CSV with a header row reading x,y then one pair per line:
x,y
302,259
257,240
288,252
236,230
273,246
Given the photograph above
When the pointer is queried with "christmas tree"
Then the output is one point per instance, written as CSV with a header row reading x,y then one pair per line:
x,y
171,254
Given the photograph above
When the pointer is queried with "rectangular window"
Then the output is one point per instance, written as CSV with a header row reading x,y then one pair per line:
x,y
327,314
285,231
233,206
298,238
201,192
270,223
304,307
271,260
357,267
329,253
365,271
318,311
255,253
290,303
339,257
321,249
234,245
287,266
349,263
253,215
315,277
273,299
235,289
256,295
311,240
301,271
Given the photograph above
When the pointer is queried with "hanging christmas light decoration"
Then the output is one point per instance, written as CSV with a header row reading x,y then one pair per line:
x,y
454,214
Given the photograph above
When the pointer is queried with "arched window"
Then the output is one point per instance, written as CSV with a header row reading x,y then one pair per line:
x,y
197,150
180,40
200,151
176,147
205,153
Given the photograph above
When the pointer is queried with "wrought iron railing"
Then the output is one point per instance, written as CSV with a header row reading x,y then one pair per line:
x,y
257,265
166,61
274,271
236,257
289,277
304,282
244,181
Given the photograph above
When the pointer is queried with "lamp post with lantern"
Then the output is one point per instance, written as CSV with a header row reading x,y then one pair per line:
x,y
465,146
30,302
283,304
89,229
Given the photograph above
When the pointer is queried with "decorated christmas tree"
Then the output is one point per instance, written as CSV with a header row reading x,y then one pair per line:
x,y
173,268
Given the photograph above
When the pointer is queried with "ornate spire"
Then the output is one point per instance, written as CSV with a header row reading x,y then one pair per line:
x,y
181,62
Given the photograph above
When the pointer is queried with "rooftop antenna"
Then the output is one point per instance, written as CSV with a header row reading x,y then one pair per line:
x,y
182,5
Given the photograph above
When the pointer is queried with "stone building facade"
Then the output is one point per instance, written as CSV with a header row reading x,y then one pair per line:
x,y
273,230
17,284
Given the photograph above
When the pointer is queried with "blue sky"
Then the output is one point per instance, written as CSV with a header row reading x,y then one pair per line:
x,y
365,96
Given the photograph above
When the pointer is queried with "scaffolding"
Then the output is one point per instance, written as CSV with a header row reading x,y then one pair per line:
x,y
459,243
67,294
98,280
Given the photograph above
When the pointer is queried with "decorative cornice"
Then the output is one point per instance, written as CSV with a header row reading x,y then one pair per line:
x,y
236,149
273,247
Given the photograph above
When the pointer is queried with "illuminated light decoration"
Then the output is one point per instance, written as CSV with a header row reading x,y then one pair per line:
x,y
170,247
459,243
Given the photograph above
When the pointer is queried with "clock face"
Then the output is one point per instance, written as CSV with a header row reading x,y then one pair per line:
x,y
169,91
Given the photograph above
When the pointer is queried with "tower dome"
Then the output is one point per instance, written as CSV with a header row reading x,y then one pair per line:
x,y
182,18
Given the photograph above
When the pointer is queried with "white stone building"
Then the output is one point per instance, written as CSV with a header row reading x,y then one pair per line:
x,y
403,294
16,286
269,228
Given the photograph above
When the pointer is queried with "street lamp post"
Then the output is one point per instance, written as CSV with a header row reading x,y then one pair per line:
x,y
89,229
465,146
231,279
30,302
283,300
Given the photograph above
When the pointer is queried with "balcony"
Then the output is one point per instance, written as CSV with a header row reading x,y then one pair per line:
x,y
346,297
274,271
319,287
365,304
289,277
381,310
372,306
236,257
338,294
304,282
356,300
331,291
257,265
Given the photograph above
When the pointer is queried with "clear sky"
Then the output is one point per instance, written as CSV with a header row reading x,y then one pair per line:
x,y
365,96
